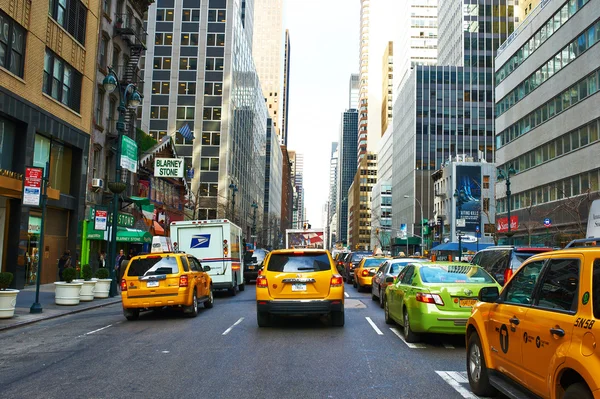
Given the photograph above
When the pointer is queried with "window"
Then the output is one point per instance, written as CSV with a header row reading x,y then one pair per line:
x,y
211,164
520,289
163,39
486,204
406,276
596,289
99,107
214,64
71,15
106,6
164,14
216,16
186,113
112,108
61,82
12,45
209,189
189,39
188,64
299,263
486,182
190,15
115,56
103,53
211,113
187,88
559,285
209,138
162,62
161,87
215,39
213,89
159,112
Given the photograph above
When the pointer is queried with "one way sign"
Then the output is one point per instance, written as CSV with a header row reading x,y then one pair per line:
x,y
200,241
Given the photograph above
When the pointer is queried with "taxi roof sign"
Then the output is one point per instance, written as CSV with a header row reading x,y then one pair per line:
x,y
161,244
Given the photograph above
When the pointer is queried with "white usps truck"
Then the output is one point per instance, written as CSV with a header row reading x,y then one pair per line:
x,y
215,243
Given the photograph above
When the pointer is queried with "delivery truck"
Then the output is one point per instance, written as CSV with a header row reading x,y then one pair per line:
x,y
215,243
304,238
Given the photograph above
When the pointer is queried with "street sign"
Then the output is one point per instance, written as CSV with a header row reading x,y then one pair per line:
x,y
168,167
129,158
460,223
547,222
100,219
32,186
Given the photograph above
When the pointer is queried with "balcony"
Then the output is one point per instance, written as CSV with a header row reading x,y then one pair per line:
x,y
440,193
131,30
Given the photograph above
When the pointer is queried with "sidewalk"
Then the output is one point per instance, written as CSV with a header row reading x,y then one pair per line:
x,y
50,310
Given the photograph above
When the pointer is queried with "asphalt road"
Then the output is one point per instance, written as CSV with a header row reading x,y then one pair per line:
x,y
223,354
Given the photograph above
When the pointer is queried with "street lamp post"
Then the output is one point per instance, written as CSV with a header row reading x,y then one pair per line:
x,y
234,190
421,224
459,195
129,98
255,207
506,175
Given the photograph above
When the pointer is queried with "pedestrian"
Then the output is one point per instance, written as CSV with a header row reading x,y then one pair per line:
x,y
120,257
102,260
63,263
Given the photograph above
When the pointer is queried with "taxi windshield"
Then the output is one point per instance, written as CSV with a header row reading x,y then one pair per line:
x,y
152,266
297,263
454,274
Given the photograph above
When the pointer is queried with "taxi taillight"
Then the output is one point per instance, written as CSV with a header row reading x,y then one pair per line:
x,y
429,298
337,281
123,285
507,275
365,273
261,282
183,280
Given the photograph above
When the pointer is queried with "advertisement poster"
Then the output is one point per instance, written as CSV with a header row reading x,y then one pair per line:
x,y
32,186
100,219
502,224
468,183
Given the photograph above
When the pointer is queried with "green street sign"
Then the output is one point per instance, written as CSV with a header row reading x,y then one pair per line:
x,y
129,157
123,219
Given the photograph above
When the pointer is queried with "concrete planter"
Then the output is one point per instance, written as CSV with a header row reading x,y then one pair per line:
x,y
87,291
102,288
8,301
67,293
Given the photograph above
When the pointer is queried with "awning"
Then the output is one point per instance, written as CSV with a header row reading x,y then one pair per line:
x,y
453,246
158,229
140,200
133,235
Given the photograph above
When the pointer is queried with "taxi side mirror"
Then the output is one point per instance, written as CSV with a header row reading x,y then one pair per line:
x,y
389,280
206,269
488,294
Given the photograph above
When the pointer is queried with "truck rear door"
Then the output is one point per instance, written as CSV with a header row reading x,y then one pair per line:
x,y
205,242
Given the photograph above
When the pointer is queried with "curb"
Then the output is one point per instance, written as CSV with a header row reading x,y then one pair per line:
x,y
74,311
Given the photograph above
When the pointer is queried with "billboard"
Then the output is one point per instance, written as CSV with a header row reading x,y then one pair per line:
x,y
468,184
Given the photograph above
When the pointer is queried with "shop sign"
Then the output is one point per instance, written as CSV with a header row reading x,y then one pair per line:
x,y
502,224
100,219
123,220
35,225
129,157
32,186
168,167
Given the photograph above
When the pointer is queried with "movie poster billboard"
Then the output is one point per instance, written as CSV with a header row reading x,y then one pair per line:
x,y
468,184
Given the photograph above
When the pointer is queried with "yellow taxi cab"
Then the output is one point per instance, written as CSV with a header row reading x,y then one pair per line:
x,y
366,269
538,336
164,278
299,282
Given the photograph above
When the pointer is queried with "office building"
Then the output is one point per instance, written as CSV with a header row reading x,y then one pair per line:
x,y
208,83
346,168
287,193
285,105
547,121
353,91
359,214
271,220
332,198
47,81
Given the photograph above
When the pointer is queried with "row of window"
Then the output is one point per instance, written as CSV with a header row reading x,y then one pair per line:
x,y
555,191
189,63
560,60
166,39
163,87
556,21
189,15
71,15
568,98
12,45
185,113
562,145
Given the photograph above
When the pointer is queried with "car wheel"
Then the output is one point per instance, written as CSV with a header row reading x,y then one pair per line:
x,y
210,302
476,368
131,314
233,290
192,310
578,391
263,319
381,299
409,335
355,284
242,287
373,296
337,318
386,312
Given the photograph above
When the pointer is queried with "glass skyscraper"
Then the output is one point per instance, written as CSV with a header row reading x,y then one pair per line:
x,y
346,168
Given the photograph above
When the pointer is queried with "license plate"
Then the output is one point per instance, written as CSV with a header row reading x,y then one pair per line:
x,y
250,267
467,303
152,284
298,287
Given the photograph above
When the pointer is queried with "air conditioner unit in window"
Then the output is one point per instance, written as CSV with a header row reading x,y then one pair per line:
x,y
97,184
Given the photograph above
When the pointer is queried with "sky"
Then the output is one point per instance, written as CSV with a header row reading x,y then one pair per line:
x,y
324,41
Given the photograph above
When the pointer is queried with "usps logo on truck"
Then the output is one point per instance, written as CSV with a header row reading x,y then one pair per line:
x,y
200,241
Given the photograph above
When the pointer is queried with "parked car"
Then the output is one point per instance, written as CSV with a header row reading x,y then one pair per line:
x,y
536,337
299,282
389,268
350,262
502,261
253,262
366,269
434,297
339,261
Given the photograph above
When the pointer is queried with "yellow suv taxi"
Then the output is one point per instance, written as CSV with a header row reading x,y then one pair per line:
x,y
366,269
299,282
172,279
539,334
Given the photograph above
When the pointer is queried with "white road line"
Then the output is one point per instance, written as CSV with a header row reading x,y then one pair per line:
x,y
456,385
100,329
448,346
463,379
412,346
347,296
377,330
234,324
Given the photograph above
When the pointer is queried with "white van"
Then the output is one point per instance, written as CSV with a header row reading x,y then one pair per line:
x,y
593,225
215,243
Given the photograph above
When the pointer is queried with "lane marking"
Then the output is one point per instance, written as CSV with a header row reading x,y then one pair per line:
x,y
234,324
377,330
347,296
412,346
448,377
100,329
463,379
448,346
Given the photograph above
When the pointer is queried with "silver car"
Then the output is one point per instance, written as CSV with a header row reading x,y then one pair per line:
x,y
389,269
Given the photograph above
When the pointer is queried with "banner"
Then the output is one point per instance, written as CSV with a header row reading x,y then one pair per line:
x,y
468,183
502,224
129,157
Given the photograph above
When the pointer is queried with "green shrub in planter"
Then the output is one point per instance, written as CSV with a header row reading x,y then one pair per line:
x,y
86,272
69,274
5,280
102,273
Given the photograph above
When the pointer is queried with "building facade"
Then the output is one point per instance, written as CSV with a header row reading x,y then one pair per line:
x,y
359,216
271,220
47,78
287,193
547,122
346,168
353,91
332,198
285,105
211,86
